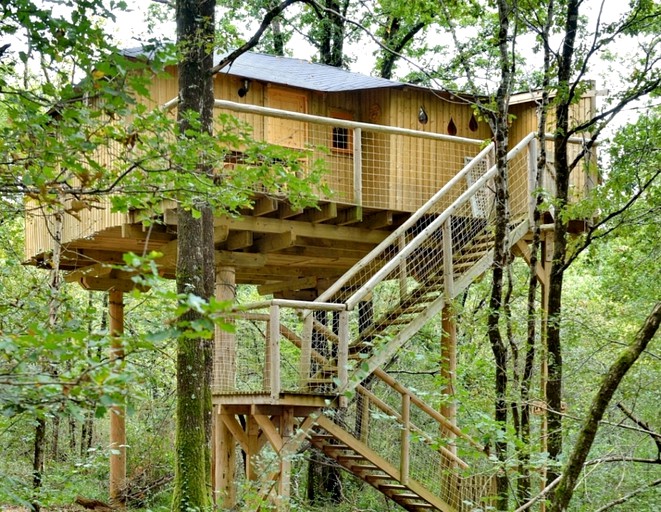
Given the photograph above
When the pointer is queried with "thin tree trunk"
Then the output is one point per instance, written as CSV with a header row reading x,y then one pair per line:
x,y
38,462
563,492
524,485
501,133
553,337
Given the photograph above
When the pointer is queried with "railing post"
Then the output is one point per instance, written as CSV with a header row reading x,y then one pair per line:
x,y
532,179
358,166
343,354
403,270
273,352
306,350
448,271
406,429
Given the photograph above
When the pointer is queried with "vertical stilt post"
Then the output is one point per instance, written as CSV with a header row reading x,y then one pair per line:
x,y
117,412
449,372
224,449
284,485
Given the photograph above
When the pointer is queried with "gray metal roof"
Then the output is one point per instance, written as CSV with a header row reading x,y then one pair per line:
x,y
303,74
292,72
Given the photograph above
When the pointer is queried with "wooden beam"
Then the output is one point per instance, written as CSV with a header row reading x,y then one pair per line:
x,y
96,270
286,211
306,295
275,242
326,211
239,240
294,284
378,220
269,430
348,216
263,206
220,234
109,283
327,231
521,248
230,421
240,259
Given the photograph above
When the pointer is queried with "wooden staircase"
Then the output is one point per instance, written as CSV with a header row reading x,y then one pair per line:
x,y
413,274
369,466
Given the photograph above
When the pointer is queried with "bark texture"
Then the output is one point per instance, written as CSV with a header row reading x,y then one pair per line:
x,y
553,341
195,37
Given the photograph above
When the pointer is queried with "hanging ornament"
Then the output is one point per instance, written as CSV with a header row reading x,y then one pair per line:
x,y
472,124
452,128
422,115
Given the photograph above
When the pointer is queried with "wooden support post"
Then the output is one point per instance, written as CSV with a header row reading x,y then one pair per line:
x,y
224,374
343,354
252,432
117,412
406,430
449,372
306,350
286,431
273,353
448,271
357,166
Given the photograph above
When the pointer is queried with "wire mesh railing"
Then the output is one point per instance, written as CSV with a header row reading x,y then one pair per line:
x,y
420,443
366,164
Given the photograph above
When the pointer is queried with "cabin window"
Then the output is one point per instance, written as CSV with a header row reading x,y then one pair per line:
x,y
341,137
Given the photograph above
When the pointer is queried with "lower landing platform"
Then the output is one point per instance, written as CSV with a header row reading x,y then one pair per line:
x,y
253,421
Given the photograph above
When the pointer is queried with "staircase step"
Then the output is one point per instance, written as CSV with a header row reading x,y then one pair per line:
x,y
349,456
405,496
394,487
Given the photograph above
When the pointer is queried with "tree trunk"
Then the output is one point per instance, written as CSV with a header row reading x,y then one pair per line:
x,y
195,37
554,346
331,40
38,462
563,492
500,129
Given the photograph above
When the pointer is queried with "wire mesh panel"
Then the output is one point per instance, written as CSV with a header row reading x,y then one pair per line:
x,y
365,164
268,353
406,434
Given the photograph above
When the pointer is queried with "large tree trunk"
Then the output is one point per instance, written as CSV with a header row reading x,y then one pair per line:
x,y
195,36
563,492
554,346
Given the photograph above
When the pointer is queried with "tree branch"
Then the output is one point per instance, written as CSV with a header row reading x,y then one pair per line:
x,y
655,436
627,497
563,493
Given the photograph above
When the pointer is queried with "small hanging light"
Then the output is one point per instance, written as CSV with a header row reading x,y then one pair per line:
x,y
422,115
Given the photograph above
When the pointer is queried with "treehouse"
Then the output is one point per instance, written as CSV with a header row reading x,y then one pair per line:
x,y
347,284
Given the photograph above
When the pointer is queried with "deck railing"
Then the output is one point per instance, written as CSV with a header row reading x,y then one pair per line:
x,y
368,165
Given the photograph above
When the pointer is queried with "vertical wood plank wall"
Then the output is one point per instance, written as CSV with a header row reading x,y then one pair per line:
x,y
399,173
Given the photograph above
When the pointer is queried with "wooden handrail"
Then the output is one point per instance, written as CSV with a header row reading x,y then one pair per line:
x,y
385,408
392,264
384,377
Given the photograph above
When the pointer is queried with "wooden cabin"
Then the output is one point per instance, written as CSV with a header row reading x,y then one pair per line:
x,y
407,224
